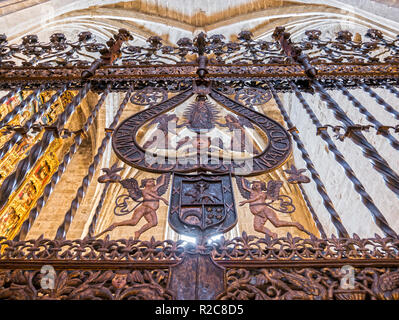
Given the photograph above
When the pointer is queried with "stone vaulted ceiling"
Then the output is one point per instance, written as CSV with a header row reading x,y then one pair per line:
x,y
173,19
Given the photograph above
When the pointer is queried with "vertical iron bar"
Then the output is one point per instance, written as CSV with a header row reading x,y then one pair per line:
x,y
378,217
33,214
98,210
394,143
394,91
22,105
99,207
335,219
64,227
379,164
381,101
14,180
312,212
17,136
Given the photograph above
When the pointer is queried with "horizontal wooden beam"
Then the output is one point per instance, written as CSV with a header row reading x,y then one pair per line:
x,y
36,75
58,264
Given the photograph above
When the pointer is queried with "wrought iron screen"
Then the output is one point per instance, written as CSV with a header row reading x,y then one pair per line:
x,y
216,118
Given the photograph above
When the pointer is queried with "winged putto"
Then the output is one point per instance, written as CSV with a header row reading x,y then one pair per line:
x,y
261,200
147,195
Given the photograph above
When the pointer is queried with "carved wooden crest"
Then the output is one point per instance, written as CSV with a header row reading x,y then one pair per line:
x,y
202,205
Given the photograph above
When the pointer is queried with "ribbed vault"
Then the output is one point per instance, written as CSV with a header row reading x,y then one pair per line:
x,y
171,20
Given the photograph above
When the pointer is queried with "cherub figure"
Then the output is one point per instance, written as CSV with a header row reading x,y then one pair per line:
x,y
256,196
240,141
199,144
166,123
119,279
150,191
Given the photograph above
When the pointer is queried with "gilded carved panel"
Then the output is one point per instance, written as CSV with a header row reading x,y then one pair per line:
x,y
24,198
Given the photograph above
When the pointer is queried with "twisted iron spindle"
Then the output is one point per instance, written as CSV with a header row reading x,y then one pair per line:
x,y
312,212
22,105
380,100
334,216
17,136
394,91
378,217
9,95
14,180
33,214
98,210
99,207
394,143
379,164
64,227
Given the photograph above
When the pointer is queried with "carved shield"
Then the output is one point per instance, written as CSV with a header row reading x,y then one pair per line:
x,y
202,205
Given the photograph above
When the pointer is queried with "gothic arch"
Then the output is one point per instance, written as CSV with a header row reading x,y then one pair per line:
x,y
146,18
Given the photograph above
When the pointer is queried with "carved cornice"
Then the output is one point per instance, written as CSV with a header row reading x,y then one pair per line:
x,y
242,268
246,250
34,76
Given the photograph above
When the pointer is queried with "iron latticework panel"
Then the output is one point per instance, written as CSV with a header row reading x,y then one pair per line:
x,y
220,85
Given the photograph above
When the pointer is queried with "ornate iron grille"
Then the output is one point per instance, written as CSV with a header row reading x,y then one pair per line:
x,y
240,76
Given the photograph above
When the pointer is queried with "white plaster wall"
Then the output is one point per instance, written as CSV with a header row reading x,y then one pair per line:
x,y
355,216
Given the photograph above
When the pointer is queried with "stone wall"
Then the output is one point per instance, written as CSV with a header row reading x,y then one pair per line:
x,y
52,214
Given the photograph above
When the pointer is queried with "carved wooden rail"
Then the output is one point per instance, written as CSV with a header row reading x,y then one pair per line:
x,y
244,268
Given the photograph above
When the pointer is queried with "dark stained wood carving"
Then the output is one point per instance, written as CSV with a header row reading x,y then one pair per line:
x,y
202,204
246,267
196,277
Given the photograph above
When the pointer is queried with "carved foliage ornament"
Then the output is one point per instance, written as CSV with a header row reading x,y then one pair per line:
x,y
149,96
310,284
85,285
